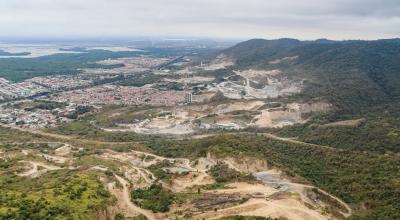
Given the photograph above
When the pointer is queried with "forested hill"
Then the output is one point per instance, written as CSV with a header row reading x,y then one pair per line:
x,y
353,74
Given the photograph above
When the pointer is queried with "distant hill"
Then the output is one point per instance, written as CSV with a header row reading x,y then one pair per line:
x,y
5,53
354,75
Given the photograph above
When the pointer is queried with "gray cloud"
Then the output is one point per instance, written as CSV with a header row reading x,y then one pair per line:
x,y
304,19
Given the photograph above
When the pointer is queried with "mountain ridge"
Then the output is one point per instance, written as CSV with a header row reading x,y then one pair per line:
x,y
364,72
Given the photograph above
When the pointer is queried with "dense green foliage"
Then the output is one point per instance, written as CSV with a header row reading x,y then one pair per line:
x,y
112,115
158,171
369,181
361,79
39,104
86,130
222,174
56,195
140,217
353,75
376,134
79,110
8,135
139,80
17,69
378,130
154,198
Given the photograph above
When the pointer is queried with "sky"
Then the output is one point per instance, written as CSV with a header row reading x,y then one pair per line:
x,y
245,19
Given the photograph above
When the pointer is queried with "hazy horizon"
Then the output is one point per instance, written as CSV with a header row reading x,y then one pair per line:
x,y
216,19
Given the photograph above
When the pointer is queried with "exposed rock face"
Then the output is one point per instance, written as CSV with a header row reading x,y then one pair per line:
x,y
212,201
244,164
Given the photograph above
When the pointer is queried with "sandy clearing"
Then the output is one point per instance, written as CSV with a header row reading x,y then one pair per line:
x,y
63,151
195,79
136,178
124,203
277,118
283,59
247,188
345,123
25,152
100,168
274,87
178,162
289,208
189,119
237,106
290,140
179,184
183,182
55,159
220,62
204,163
244,164
252,73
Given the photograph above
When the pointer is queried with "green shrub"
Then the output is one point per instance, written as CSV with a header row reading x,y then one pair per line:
x,y
154,198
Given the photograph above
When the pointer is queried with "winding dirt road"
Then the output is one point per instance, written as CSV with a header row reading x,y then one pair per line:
x,y
125,201
34,171
185,163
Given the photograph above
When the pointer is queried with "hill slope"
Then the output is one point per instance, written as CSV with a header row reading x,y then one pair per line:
x,y
353,74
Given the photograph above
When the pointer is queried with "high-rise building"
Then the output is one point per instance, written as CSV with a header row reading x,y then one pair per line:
x,y
189,97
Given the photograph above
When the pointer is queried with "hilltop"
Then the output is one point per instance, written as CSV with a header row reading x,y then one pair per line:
x,y
351,74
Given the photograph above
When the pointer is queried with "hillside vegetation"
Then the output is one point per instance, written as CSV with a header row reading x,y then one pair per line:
x,y
57,195
352,74
367,181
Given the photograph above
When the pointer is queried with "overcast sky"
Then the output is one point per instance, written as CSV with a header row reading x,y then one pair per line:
x,y
303,19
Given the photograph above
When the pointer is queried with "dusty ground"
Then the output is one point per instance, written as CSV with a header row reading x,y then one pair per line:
x,y
285,59
346,123
181,183
257,85
63,151
35,169
131,64
220,62
134,173
124,204
288,208
182,120
191,80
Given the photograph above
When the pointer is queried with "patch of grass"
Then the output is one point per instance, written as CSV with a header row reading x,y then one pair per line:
x,y
85,130
57,195
212,186
362,179
9,135
159,172
154,198
16,69
223,174
39,104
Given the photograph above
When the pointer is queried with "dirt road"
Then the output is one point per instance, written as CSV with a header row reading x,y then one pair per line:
x,y
34,171
125,201
184,163
292,141
269,135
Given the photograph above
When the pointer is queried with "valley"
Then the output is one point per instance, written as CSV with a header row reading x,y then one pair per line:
x,y
265,129
185,178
